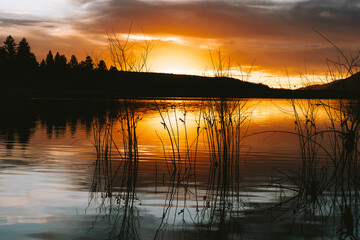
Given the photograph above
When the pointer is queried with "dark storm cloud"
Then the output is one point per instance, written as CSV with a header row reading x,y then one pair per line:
x,y
7,22
224,19
256,19
328,13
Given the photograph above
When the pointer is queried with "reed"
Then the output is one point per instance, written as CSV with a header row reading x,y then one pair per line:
x,y
113,190
180,158
221,65
222,124
225,126
127,55
325,189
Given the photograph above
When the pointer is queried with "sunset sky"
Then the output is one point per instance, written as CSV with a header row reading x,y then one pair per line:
x,y
272,35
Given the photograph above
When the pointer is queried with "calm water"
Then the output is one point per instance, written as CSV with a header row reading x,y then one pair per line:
x,y
179,169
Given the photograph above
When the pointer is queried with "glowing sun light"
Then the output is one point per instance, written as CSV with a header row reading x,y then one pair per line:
x,y
177,60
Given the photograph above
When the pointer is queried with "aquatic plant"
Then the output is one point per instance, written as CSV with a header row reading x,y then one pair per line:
x,y
226,122
181,164
216,207
325,191
129,56
115,172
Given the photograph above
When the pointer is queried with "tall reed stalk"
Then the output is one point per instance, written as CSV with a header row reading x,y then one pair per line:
x,y
328,190
115,172
128,55
225,126
180,159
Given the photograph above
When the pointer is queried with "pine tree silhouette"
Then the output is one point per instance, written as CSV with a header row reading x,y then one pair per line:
x,y
102,66
73,63
49,60
25,59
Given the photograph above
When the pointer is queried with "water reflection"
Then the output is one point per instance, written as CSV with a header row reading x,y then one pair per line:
x,y
16,124
324,191
181,160
19,119
173,169
113,189
225,123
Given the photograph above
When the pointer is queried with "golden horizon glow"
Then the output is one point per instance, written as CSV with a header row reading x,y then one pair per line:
x,y
177,59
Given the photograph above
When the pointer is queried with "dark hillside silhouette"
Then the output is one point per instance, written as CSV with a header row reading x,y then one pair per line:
x,y
351,83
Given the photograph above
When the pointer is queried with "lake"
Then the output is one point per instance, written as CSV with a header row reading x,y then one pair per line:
x,y
180,169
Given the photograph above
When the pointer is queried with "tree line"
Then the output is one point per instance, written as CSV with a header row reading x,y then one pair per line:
x,y
18,57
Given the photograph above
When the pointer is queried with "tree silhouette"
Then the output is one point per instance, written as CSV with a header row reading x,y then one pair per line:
x,y
10,48
3,58
113,69
9,54
74,64
60,62
25,59
88,64
49,59
23,49
42,65
102,66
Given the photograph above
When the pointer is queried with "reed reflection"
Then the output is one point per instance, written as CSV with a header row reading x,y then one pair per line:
x,y
180,159
206,195
225,123
325,191
113,190
213,211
